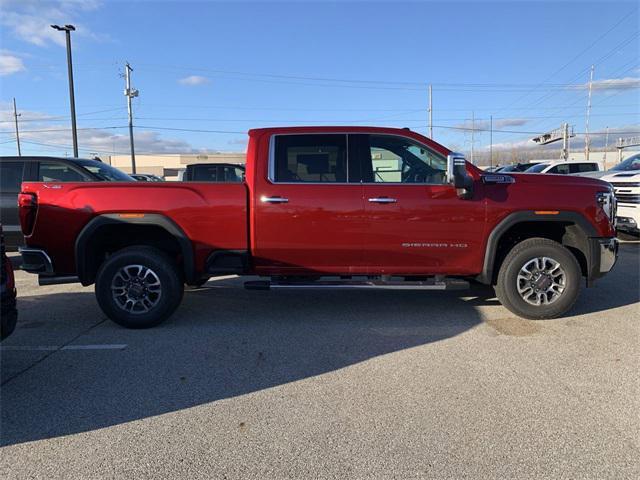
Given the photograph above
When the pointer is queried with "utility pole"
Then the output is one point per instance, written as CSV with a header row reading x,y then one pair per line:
x,y
491,141
430,112
473,138
587,138
619,147
565,141
74,131
130,93
606,147
15,116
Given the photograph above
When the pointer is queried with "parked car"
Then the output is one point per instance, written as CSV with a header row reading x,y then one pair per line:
x,y
627,165
563,167
516,167
336,202
625,179
146,177
15,170
214,172
9,312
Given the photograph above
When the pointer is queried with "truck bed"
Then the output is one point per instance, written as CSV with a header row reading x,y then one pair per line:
x,y
213,216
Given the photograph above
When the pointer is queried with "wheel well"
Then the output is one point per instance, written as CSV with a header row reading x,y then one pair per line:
x,y
568,234
109,238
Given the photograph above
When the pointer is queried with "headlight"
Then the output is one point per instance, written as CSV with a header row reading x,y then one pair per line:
x,y
607,201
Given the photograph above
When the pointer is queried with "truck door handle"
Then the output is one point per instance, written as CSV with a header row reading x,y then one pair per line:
x,y
382,200
265,199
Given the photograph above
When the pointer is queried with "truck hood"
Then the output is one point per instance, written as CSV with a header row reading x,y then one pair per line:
x,y
559,180
630,176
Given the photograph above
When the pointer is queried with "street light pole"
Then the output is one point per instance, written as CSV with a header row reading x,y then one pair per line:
x,y
74,131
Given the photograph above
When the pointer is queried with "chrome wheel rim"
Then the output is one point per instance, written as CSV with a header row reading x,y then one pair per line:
x,y
541,281
136,289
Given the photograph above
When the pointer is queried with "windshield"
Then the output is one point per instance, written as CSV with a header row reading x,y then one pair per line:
x,y
536,168
631,163
104,172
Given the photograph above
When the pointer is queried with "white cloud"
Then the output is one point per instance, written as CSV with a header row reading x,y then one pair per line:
x,y
613,84
598,140
485,124
30,20
10,64
193,80
517,145
145,141
56,136
105,142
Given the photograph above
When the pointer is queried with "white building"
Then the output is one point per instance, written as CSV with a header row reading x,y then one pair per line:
x,y
169,165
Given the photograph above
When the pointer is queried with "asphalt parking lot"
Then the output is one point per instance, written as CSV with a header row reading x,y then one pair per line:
x,y
246,384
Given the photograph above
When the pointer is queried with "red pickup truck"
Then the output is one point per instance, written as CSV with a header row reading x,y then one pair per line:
x,y
326,207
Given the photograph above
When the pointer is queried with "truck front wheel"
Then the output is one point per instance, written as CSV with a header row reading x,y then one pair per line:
x,y
139,287
539,278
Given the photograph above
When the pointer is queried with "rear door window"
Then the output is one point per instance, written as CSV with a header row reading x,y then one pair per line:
x,y
59,172
310,158
583,167
11,176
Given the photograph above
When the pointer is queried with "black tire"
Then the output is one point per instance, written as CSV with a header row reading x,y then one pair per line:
x,y
519,256
159,306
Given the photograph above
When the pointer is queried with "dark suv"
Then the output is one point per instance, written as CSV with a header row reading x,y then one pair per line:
x,y
214,172
9,312
15,170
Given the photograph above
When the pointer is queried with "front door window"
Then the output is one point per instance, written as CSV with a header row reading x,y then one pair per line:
x,y
394,159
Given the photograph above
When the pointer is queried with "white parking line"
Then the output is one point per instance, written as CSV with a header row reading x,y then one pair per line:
x,y
48,348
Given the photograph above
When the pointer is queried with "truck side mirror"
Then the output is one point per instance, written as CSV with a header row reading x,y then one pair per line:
x,y
457,175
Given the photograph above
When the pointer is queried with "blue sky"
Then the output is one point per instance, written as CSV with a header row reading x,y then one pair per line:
x,y
231,66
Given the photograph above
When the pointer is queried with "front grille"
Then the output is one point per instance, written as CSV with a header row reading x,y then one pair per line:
x,y
628,197
626,185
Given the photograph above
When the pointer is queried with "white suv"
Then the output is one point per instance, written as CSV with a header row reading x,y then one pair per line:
x,y
625,178
563,167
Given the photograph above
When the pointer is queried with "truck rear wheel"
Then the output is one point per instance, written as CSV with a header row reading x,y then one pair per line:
x,y
139,287
539,279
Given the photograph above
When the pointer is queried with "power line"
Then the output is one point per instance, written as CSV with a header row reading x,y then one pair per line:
x,y
63,129
420,84
192,130
581,99
575,57
58,146
597,62
315,109
65,118
448,119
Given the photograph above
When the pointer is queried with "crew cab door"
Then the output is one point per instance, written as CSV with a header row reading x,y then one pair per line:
x,y
415,221
307,215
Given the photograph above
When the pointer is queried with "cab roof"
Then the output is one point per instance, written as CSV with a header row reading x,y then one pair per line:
x,y
405,132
